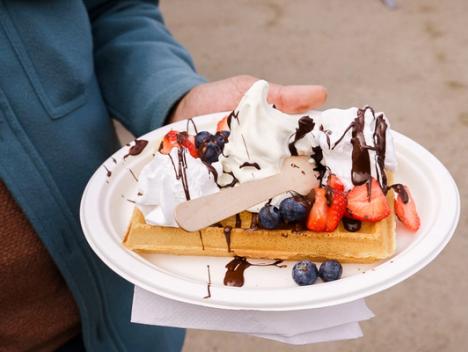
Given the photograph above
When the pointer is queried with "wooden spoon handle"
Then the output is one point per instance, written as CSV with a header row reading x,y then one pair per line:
x,y
199,213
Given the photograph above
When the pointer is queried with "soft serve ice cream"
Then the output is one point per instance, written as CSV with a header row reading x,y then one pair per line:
x,y
162,185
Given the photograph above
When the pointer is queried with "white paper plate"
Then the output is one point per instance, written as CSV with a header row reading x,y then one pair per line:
x,y
105,213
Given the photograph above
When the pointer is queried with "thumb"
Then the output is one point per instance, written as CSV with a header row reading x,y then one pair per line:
x,y
297,99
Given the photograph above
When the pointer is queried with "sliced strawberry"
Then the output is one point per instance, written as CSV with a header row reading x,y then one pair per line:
x,y
371,208
406,212
222,124
336,210
335,183
317,220
189,143
169,141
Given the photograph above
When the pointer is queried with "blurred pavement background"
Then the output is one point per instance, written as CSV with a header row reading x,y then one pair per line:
x,y
412,63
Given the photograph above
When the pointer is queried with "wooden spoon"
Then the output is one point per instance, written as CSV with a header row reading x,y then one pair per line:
x,y
297,174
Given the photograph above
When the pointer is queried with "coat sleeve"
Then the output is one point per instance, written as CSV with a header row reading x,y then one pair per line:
x,y
142,70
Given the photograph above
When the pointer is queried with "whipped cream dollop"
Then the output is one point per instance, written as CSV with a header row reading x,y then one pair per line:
x,y
163,184
261,136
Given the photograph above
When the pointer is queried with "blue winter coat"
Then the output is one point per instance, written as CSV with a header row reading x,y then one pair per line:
x,y
66,67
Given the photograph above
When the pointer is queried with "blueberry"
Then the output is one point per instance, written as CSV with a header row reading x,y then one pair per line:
x,y
225,134
202,137
209,152
220,139
305,273
330,270
269,217
294,209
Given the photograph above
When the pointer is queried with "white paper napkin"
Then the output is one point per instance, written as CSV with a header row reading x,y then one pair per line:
x,y
294,327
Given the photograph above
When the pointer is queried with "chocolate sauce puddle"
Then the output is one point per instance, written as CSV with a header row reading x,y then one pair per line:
x,y
306,124
248,164
235,270
137,148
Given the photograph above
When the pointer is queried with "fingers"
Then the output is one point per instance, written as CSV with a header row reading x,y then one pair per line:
x,y
297,99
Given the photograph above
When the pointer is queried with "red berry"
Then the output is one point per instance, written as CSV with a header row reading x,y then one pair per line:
x,y
406,212
336,210
317,220
371,207
169,141
335,183
189,143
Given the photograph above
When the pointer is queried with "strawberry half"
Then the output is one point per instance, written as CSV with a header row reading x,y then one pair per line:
x,y
406,212
174,139
189,143
317,220
169,141
335,183
336,210
371,208
222,124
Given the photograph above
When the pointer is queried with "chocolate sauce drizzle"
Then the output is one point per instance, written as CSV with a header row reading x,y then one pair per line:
x,y
230,116
181,171
361,170
133,175
190,120
327,134
233,182
137,148
401,191
108,172
306,124
238,221
321,169
248,164
201,240
235,270
211,170
227,235
208,285
254,221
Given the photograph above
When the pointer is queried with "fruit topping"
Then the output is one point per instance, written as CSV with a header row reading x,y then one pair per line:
x,y
367,202
317,220
221,138
294,209
328,209
305,273
223,124
169,141
330,270
405,209
202,137
269,217
174,139
336,209
210,151
335,183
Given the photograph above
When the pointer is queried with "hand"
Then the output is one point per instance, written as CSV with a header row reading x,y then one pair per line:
x,y
225,95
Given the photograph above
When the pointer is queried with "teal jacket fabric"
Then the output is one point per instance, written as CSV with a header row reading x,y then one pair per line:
x,y
65,68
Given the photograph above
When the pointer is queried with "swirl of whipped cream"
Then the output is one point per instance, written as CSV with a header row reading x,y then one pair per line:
x,y
162,189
